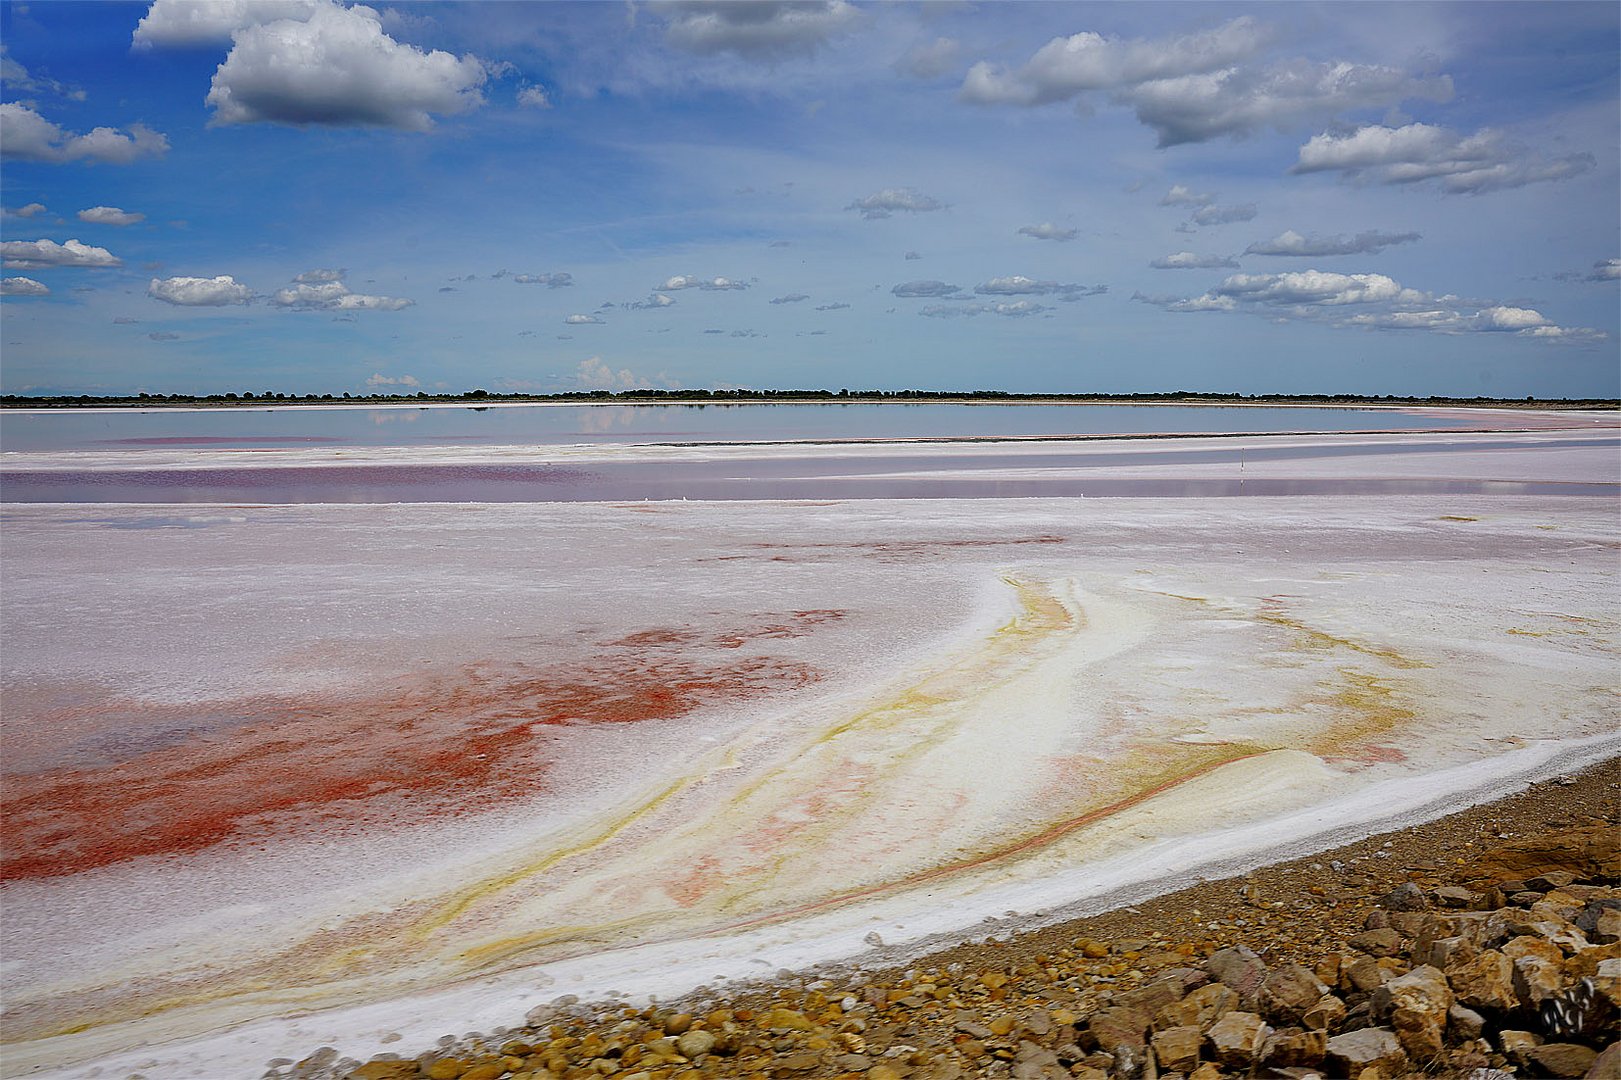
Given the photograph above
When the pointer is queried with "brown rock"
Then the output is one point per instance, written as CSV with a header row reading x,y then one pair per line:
x,y
883,1072
1607,1066
446,1069
1241,970
1289,992
1207,1071
1377,942
1416,1005
1548,882
695,1043
1348,1054
385,1070
486,1070
802,1062
1486,982
1366,975
1464,1024
1517,1045
1405,897
1537,979
1237,1039
1562,1059
1199,1009
1454,896
1584,851
677,1024
1327,1015
1295,1048
1177,1048
1446,952
785,1020
1120,1026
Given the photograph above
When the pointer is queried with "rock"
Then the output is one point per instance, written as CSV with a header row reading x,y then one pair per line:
x,y
1607,1065
1486,982
1366,975
1132,1063
803,1062
1239,969
1583,851
1326,1015
883,1072
1454,896
446,1069
1516,1045
1464,1023
1385,942
1405,897
677,1024
1537,979
486,1070
695,1043
1604,927
1366,1048
1548,882
1177,1048
973,1029
785,1020
1445,952
385,1070
1207,1071
1199,1009
1289,992
1119,1026
1416,1005
1562,1059
1294,1048
1377,919
1237,1039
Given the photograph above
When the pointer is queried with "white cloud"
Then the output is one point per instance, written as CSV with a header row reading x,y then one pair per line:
x,y
34,254
1013,310
1019,285
551,281
29,211
319,276
1197,86
379,379
583,320
759,29
1223,215
339,68
652,303
110,215
925,288
932,59
534,97
17,79
189,23
1606,270
686,281
199,292
1292,243
1187,260
27,136
881,204
1414,153
1370,302
1067,67
791,298
330,294
593,374
1047,231
22,286
1184,196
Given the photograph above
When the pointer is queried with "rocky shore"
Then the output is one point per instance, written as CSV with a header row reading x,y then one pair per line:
x,y
1484,945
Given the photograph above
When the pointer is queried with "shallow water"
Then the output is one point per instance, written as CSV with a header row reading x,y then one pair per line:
x,y
555,424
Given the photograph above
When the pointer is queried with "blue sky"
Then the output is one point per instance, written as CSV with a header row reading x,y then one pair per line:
x,y
303,195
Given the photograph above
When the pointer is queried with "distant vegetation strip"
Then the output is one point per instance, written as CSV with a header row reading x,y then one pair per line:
x,y
784,397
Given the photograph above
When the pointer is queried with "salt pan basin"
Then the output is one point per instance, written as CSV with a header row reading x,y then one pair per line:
x,y
284,776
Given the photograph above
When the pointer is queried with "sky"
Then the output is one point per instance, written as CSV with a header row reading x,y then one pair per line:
x,y
309,196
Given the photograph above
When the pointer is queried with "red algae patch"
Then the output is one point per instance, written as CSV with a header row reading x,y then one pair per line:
x,y
430,745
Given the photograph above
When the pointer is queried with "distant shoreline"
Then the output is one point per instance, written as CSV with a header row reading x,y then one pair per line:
x,y
643,398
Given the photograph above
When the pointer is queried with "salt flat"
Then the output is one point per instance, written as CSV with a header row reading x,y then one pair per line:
x,y
279,776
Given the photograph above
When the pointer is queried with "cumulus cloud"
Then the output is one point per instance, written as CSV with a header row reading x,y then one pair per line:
x,y
1187,260
27,136
22,286
1047,231
1415,153
930,60
333,295
882,204
1292,243
791,298
1019,285
1014,310
18,80
1603,270
761,29
1223,215
593,374
199,292
1367,301
1184,196
339,68
379,379
534,97
925,288
188,23
684,281
652,303
551,281
583,320
28,211
38,254
110,215
1198,86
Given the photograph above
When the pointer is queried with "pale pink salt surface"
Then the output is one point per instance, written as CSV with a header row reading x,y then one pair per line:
x,y
1167,601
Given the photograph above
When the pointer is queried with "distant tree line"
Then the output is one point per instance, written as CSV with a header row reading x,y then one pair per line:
x,y
702,397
